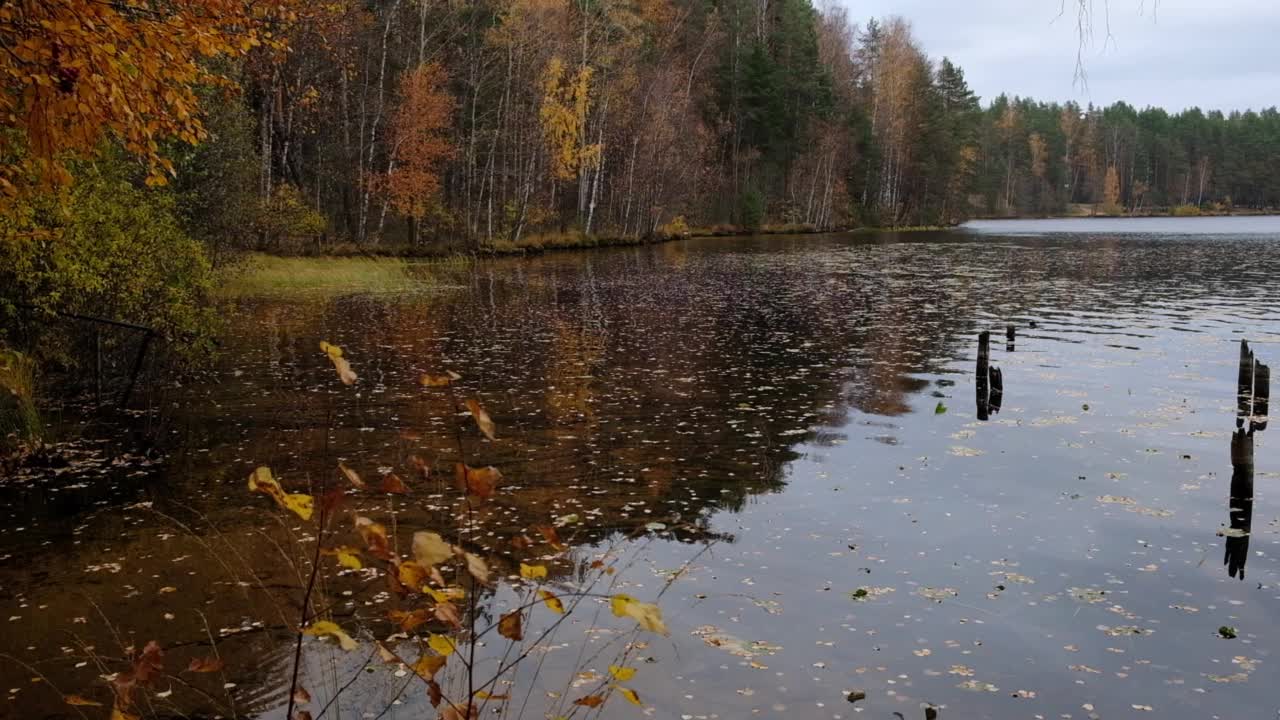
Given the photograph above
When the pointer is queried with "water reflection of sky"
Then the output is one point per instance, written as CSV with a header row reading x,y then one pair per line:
x,y
808,406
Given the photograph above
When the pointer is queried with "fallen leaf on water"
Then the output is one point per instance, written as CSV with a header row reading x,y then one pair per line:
x,y
374,536
352,475
434,381
551,535
262,481
85,702
447,613
301,696
340,363
348,557
331,629
205,665
483,421
410,620
533,572
118,714
510,626
393,485
480,482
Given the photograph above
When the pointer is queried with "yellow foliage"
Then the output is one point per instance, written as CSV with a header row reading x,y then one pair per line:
x,y
264,482
331,629
533,572
565,103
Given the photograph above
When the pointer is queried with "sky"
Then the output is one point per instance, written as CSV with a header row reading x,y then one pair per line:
x,y
1212,54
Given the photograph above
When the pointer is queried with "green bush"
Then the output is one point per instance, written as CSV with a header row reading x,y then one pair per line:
x,y
752,210
107,247
1187,211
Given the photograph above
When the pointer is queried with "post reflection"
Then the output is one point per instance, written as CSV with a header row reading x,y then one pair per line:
x,y
1253,396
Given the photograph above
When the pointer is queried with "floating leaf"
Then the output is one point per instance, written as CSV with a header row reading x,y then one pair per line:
x,y
448,594
301,696
486,695
348,557
412,575
410,620
630,695
621,674
480,482
441,644
428,665
510,626
340,363
434,381
940,409
590,701
352,475
81,701
552,602
331,629
205,665
392,484
483,421
429,549
374,536
533,572
118,714
424,470
551,535
264,482
1227,632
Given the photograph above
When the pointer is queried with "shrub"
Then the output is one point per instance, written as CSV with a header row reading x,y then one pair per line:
x,y
1187,211
19,420
677,228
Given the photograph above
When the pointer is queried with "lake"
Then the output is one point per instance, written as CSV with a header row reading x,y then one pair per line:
x,y
783,441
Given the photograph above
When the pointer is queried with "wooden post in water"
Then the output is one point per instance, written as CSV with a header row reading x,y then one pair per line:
x,y
1244,385
1011,336
982,375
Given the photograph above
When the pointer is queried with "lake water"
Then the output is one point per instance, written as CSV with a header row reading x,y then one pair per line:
x,y
780,439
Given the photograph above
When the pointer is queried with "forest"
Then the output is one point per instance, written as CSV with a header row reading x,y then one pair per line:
x,y
145,145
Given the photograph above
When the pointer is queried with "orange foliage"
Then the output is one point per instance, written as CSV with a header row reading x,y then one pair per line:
x,y
77,71
419,139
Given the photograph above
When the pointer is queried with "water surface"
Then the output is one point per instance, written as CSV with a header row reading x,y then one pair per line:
x,y
790,422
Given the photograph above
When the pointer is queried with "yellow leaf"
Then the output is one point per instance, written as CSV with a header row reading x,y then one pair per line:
x,y
77,700
339,363
118,714
533,572
264,482
352,475
331,629
552,601
412,575
648,615
621,674
348,557
430,549
448,594
618,603
428,665
630,695
441,644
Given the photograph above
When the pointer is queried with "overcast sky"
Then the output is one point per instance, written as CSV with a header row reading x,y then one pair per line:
x,y
1215,54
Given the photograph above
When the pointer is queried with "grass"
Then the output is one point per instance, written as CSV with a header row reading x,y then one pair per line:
x,y
19,419
261,275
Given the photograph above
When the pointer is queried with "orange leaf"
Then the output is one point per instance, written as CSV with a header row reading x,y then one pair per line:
x,y
590,701
483,421
352,475
510,626
205,665
480,482
394,485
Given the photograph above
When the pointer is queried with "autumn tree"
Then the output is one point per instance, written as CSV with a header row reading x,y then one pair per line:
x,y
420,141
76,72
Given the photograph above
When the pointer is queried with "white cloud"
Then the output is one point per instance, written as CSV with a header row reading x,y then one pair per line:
x,y
1215,54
